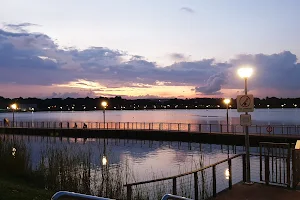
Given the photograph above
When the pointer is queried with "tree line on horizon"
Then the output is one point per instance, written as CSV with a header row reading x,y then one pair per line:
x,y
118,103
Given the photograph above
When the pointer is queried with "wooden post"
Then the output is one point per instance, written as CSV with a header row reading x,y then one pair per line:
x,y
230,174
196,186
214,181
129,192
174,186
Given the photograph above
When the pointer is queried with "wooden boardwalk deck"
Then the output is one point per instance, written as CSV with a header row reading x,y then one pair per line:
x,y
258,191
158,135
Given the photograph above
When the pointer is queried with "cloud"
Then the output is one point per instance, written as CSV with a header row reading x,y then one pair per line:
x,y
35,59
178,56
280,71
21,27
213,85
187,9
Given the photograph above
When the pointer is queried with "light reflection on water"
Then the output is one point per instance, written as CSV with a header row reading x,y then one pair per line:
x,y
145,159
215,116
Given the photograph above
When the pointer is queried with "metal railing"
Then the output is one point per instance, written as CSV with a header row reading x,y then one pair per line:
x,y
63,194
171,196
201,183
156,126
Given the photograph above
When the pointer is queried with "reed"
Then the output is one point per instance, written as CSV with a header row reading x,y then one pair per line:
x,y
64,166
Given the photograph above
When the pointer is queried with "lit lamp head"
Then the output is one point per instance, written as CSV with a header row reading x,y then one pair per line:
x,y
245,72
104,104
14,106
226,101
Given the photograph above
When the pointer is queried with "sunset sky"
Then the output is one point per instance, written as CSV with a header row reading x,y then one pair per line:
x,y
148,49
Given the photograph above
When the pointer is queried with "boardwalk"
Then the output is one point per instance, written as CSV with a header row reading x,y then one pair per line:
x,y
201,133
156,126
258,192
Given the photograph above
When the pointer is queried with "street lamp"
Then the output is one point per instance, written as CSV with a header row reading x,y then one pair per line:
x,y
13,107
104,105
226,101
245,73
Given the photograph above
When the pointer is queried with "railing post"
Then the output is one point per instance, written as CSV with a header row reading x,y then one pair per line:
x,y
214,181
244,167
230,174
189,127
294,170
129,192
174,186
196,186
199,128
267,169
221,128
288,163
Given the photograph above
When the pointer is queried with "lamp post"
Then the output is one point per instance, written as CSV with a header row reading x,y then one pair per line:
x,y
245,73
227,101
104,105
13,107
105,169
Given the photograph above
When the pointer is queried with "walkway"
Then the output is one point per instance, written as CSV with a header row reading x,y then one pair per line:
x,y
258,192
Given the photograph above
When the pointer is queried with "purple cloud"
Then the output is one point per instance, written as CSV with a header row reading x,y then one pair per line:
x,y
35,59
187,9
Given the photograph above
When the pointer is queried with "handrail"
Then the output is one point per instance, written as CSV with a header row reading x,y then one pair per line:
x,y
133,122
171,196
267,130
60,194
184,174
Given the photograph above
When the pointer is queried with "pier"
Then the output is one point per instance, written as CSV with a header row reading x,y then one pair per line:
x,y
208,133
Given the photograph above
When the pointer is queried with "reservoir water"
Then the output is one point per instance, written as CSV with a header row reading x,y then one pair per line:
x,y
147,159
197,116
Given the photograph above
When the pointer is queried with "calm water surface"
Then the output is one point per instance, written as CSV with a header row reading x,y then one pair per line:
x,y
154,159
215,116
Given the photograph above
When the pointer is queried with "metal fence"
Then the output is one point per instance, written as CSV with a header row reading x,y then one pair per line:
x,y
155,126
199,184
73,195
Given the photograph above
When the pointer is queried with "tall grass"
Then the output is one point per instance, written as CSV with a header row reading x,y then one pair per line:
x,y
62,166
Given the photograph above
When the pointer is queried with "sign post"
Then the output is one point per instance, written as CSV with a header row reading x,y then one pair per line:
x,y
245,103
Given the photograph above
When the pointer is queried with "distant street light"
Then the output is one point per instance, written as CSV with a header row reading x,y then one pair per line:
x,y
245,73
13,107
104,105
226,101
